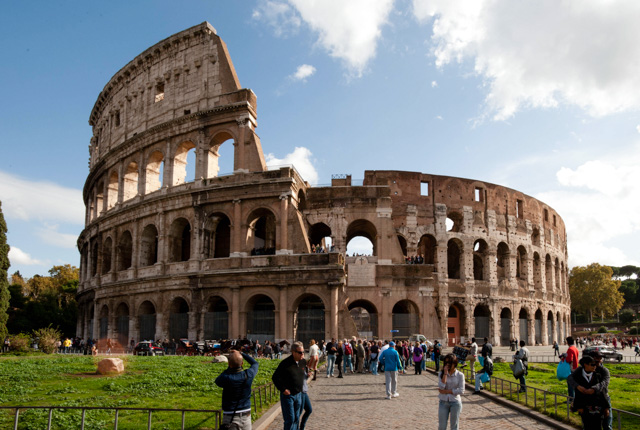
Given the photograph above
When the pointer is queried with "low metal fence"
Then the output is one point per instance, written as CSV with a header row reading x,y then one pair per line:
x,y
553,404
552,359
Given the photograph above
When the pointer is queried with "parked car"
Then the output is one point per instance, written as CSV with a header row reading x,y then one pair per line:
x,y
607,352
147,348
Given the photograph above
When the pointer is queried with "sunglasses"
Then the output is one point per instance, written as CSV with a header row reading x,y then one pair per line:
x,y
299,352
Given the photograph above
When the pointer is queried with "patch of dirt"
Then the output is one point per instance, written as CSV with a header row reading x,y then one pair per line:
x,y
632,376
92,375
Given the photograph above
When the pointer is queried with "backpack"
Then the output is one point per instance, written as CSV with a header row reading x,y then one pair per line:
x,y
347,349
437,350
489,368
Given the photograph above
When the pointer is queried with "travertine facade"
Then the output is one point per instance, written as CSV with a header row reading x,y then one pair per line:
x,y
219,256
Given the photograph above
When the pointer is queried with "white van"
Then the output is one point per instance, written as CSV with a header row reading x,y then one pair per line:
x,y
419,338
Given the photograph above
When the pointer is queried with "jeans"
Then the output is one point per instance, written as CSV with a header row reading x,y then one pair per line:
x,y
449,411
391,381
437,360
243,423
571,390
331,361
306,407
523,383
374,367
478,381
347,364
291,406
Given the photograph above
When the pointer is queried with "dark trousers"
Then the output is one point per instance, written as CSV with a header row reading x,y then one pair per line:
x,y
306,407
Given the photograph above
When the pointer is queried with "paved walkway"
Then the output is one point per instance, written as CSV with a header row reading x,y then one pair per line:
x,y
357,402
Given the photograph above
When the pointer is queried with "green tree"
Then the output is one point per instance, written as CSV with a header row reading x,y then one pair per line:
x,y
593,290
4,280
627,316
629,289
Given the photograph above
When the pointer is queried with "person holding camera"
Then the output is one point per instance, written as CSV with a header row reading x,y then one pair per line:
x,y
450,390
236,392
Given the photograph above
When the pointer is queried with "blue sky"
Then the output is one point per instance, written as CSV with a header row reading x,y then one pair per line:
x,y
539,96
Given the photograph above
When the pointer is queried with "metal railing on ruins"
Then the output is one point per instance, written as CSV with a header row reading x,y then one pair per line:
x,y
263,396
555,405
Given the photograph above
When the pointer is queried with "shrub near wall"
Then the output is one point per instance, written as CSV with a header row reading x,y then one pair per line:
x,y
602,329
47,338
20,342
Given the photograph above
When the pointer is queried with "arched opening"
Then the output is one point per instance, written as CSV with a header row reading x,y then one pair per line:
x,y
361,238
550,327
302,201
184,163
563,278
320,237
100,199
130,185
454,255
403,244
217,236
537,272
180,240
482,317
220,156
261,321
427,248
309,320
147,321
538,327
535,236
365,316
524,325
91,319
261,234
154,174
505,326
107,248
122,324
480,248
548,273
104,322
179,319
112,190
405,319
125,250
557,270
521,264
559,331
502,261
149,246
216,319
94,259
454,222
455,316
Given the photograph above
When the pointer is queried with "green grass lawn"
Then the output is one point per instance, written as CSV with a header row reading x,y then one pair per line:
x,y
148,382
624,392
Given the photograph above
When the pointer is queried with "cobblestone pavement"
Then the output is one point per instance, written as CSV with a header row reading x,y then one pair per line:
x,y
357,402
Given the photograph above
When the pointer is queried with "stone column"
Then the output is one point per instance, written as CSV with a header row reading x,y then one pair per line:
x,y
120,183
545,334
160,323
284,212
532,330
239,159
192,331
236,227
334,312
142,175
282,315
235,312
167,174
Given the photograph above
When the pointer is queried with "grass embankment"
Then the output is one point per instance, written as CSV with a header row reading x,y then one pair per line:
x,y
148,382
624,391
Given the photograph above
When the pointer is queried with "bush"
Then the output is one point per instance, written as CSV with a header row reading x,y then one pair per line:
x,y
20,342
627,316
47,338
602,329
633,330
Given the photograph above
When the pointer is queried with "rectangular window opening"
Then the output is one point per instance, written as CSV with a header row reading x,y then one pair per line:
x,y
546,215
424,188
187,111
520,209
117,119
478,197
554,220
159,92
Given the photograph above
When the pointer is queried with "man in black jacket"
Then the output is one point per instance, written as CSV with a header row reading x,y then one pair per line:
x,y
487,347
288,379
236,390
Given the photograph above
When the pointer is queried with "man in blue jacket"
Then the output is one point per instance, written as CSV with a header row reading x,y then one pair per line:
x,y
236,390
392,365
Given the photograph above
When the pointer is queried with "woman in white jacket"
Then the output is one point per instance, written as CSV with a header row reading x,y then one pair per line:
x,y
314,352
450,387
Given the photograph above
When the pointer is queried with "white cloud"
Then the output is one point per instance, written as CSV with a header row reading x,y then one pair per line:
x,y
599,202
50,234
18,256
638,128
434,84
45,201
303,72
439,117
301,158
542,53
347,30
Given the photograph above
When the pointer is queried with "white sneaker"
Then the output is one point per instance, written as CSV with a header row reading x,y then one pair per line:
x,y
396,394
327,376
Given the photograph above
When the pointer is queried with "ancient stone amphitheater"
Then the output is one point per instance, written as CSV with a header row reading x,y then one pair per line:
x,y
219,256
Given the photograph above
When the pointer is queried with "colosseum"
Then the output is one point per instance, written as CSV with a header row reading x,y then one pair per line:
x,y
261,253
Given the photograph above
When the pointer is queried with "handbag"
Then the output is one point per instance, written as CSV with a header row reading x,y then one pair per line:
x,y
485,377
517,368
563,371
481,361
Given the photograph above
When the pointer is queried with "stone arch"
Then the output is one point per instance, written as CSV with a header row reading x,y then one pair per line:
x,y
180,162
99,202
403,244
365,316
455,321
217,236
180,240
94,258
179,319
548,272
559,333
563,278
261,233
309,322
103,322
216,319
482,321
149,246
318,234
505,326
556,268
302,201
454,258
154,172
535,236
523,318
107,249
125,250
147,320
537,271
454,221
112,190
502,261
363,228
405,317
480,255
122,324
261,321
538,326
550,323
217,152
427,247
130,183
521,263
